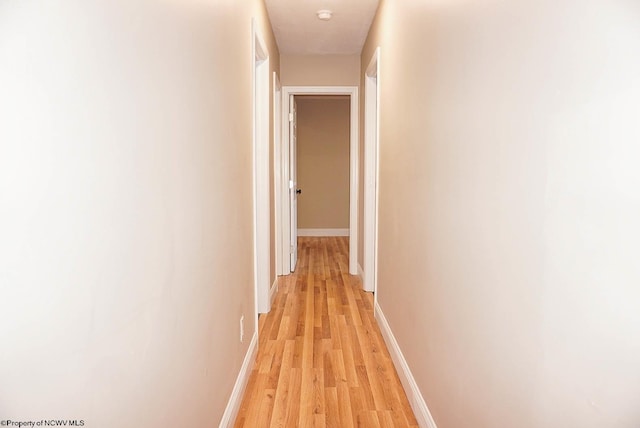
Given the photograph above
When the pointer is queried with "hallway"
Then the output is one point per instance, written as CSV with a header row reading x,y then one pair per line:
x,y
322,360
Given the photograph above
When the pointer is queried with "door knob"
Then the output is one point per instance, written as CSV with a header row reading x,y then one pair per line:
x,y
298,191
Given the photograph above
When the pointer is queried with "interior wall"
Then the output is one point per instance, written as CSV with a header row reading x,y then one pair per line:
x,y
127,214
508,226
323,162
320,70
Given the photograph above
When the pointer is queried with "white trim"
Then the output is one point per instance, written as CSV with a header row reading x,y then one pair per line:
x,y
273,290
418,405
277,173
360,272
352,91
233,406
323,232
262,246
371,168
353,182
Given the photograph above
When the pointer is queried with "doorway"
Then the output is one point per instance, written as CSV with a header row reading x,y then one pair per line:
x,y
286,185
322,164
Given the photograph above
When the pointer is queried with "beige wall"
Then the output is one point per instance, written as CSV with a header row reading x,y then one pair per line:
x,y
126,222
320,70
323,162
509,233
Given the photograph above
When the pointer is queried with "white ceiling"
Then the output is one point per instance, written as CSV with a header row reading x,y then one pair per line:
x,y
298,31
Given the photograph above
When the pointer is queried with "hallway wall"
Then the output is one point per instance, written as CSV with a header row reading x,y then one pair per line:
x,y
509,234
126,222
320,70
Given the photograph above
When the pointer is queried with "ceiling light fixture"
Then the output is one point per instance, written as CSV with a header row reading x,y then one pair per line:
x,y
324,14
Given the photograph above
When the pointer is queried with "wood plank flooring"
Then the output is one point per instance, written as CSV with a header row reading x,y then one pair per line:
x,y
321,360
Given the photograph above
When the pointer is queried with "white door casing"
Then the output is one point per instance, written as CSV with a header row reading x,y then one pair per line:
x,y
371,167
277,171
261,218
352,91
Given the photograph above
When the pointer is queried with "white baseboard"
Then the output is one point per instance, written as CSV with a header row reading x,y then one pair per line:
x,y
273,290
360,272
233,406
323,232
418,405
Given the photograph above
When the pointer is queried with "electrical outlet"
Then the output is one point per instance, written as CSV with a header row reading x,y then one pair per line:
x,y
241,328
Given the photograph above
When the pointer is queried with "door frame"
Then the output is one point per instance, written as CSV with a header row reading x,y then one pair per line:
x,y
283,184
371,172
261,212
277,171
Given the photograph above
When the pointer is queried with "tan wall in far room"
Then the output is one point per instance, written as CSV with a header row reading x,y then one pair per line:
x,y
323,162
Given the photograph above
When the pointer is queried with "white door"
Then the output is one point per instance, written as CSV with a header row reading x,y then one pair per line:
x,y
293,181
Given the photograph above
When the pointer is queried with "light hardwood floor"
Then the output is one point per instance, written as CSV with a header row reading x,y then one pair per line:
x,y
321,360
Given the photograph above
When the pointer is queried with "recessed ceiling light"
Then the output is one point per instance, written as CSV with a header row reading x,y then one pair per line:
x,y
324,14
